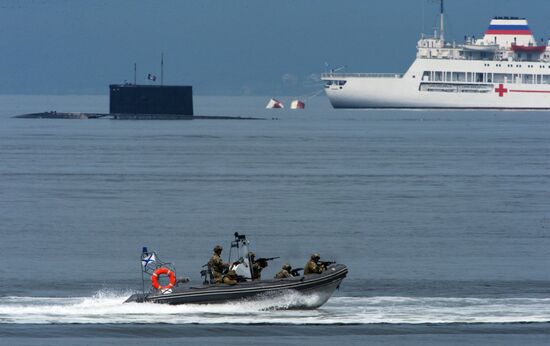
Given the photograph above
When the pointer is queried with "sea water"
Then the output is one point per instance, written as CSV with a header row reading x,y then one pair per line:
x,y
443,218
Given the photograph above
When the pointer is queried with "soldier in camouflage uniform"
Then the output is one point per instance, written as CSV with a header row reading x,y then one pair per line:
x,y
230,278
284,272
313,266
256,266
216,265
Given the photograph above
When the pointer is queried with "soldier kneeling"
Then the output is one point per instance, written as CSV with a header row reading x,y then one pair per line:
x,y
314,266
230,278
284,272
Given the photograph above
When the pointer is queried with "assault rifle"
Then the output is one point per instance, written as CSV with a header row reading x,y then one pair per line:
x,y
263,260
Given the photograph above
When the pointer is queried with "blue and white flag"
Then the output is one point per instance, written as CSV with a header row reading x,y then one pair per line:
x,y
147,258
151,77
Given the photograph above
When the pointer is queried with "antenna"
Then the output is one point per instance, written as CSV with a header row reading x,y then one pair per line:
x,y
135,73
162,69
442,24
338,69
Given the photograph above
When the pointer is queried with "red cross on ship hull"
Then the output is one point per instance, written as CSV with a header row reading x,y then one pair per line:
x,y
501,90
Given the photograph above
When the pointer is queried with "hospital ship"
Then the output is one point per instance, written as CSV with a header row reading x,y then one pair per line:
x,y
506,69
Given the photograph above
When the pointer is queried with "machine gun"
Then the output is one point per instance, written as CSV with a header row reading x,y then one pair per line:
x,y
263,261
207,275
296,271
326,263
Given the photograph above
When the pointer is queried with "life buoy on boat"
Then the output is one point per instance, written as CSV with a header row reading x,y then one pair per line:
x,y
163,271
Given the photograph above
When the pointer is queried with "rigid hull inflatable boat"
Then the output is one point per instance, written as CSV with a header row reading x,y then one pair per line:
x,y
315,288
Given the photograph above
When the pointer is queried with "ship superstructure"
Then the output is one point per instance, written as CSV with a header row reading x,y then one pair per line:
x,y
506,69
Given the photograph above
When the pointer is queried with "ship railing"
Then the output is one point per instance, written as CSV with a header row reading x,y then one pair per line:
x,y
369,75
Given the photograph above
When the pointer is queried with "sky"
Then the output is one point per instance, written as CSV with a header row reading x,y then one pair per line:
x,y
226,47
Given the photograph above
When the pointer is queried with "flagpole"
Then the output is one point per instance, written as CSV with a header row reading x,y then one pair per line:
x,y
162,69
143,268
135,73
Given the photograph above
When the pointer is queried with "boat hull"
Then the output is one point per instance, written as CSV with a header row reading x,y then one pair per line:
x,y
412,90
319,286
376,93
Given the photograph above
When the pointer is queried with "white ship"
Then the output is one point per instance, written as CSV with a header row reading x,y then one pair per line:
x,y
506,69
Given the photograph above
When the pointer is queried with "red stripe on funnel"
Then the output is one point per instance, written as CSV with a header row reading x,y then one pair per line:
x,y
508,32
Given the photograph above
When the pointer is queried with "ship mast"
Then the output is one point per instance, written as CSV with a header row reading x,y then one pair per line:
x,y
442,24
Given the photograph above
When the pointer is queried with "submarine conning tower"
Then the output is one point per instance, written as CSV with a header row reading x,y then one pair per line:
x,y
151,99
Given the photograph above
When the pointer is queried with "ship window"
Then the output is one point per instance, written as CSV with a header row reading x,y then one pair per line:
x,y
479,77
459,76
426,76
546,79
528,79
438,76
502,78
489,77
448,76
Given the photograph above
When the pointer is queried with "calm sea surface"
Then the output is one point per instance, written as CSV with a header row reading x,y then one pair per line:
x,y
443,218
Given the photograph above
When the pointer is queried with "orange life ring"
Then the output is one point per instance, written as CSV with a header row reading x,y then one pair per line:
x,y
163,271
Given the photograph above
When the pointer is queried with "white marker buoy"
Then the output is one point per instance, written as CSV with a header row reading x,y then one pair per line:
x,y
297,104
273,103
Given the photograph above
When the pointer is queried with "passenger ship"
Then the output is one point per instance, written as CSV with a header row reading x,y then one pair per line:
x,y
506,69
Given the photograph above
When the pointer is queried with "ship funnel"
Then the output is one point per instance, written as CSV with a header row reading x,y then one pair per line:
x,y
508,31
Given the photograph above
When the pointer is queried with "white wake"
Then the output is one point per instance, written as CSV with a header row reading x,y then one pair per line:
x,y
108,307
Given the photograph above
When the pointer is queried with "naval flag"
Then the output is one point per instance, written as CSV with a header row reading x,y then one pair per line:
x,y
147,258
151,77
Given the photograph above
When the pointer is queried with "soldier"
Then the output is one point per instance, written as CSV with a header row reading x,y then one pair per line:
x,y
216,265
313,266
284,272
257,266
230,278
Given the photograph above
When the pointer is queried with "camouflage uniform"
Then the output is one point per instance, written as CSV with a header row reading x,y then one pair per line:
x,y
230,278
256,267
284,272
312,267
216,265
256,271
